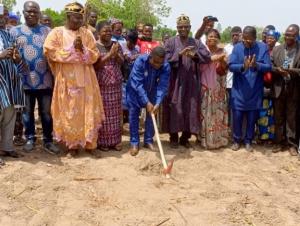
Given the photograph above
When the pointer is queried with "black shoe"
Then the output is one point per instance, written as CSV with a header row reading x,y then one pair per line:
x,y
185,143
50,147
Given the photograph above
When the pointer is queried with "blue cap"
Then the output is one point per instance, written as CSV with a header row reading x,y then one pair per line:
x,y
14,16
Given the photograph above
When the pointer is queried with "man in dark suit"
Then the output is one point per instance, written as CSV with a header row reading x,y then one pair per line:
x,y
286,90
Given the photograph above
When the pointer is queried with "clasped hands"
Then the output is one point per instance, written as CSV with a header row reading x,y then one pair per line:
x,y
78,44
114,50
249,62
188,51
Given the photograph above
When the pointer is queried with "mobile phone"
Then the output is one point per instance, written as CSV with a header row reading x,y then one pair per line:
x,y
148,39
212,18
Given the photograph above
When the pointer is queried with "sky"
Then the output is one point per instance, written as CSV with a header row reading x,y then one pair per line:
x,y
241,13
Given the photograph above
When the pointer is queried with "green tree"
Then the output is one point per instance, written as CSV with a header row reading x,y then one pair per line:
x,y
58,18
132,12
160,31
9,3
225,35
259,31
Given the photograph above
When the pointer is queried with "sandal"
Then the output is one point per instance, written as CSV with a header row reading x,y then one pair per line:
x,y
18,141
118,147
103,148
12,154
173,144
94,153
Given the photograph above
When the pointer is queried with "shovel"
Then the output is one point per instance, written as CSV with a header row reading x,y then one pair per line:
x,y
167,169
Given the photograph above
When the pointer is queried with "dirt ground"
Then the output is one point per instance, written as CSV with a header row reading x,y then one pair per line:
x,y
218,187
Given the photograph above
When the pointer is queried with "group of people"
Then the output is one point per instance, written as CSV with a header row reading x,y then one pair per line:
x,y
89,78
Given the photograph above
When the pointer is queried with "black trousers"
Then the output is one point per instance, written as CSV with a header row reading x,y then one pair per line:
x,y
286,116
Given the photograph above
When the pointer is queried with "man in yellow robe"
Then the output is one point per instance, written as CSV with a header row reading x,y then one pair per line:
x,y
77,107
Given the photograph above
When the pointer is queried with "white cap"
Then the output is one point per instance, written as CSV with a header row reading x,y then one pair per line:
x,y
1,9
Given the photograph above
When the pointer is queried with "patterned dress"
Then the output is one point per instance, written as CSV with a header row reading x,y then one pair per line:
x,y
110,81
181,107
77,107
214,119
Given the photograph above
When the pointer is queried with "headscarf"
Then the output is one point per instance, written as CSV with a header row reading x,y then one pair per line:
x,y
114,22
14,16
183,18
74,8
274,33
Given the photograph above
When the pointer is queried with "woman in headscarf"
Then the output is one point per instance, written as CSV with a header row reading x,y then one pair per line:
x,y
109,75
266,115
117,27
214,124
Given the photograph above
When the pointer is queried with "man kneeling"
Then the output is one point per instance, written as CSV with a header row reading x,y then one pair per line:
x,y
146,88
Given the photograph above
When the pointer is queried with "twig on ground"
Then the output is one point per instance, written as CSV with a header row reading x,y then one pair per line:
x,y
20,193
179,213
248,221
86,178
164,221
254,184
31,208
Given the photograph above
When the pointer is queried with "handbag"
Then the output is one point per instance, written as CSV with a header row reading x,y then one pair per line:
x,y
220,70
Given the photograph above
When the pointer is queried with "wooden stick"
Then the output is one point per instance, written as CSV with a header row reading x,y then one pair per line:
x,y
20,193
164,221
179,213
31,208
86,179
163,159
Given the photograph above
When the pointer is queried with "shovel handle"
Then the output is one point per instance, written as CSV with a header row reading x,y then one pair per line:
x,y
161,151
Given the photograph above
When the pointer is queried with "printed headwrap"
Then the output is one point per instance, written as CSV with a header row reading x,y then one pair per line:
x,y
14,16
274,33
114,22
183,18
74,8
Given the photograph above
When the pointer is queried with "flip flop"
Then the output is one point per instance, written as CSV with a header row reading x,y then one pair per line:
x,y
103,148
118,147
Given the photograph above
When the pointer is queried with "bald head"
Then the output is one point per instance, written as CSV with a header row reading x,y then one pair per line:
x,y
31,13
31,3
294,26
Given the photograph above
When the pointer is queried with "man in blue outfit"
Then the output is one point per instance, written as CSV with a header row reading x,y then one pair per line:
x,y
249,61
146,87
38,84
